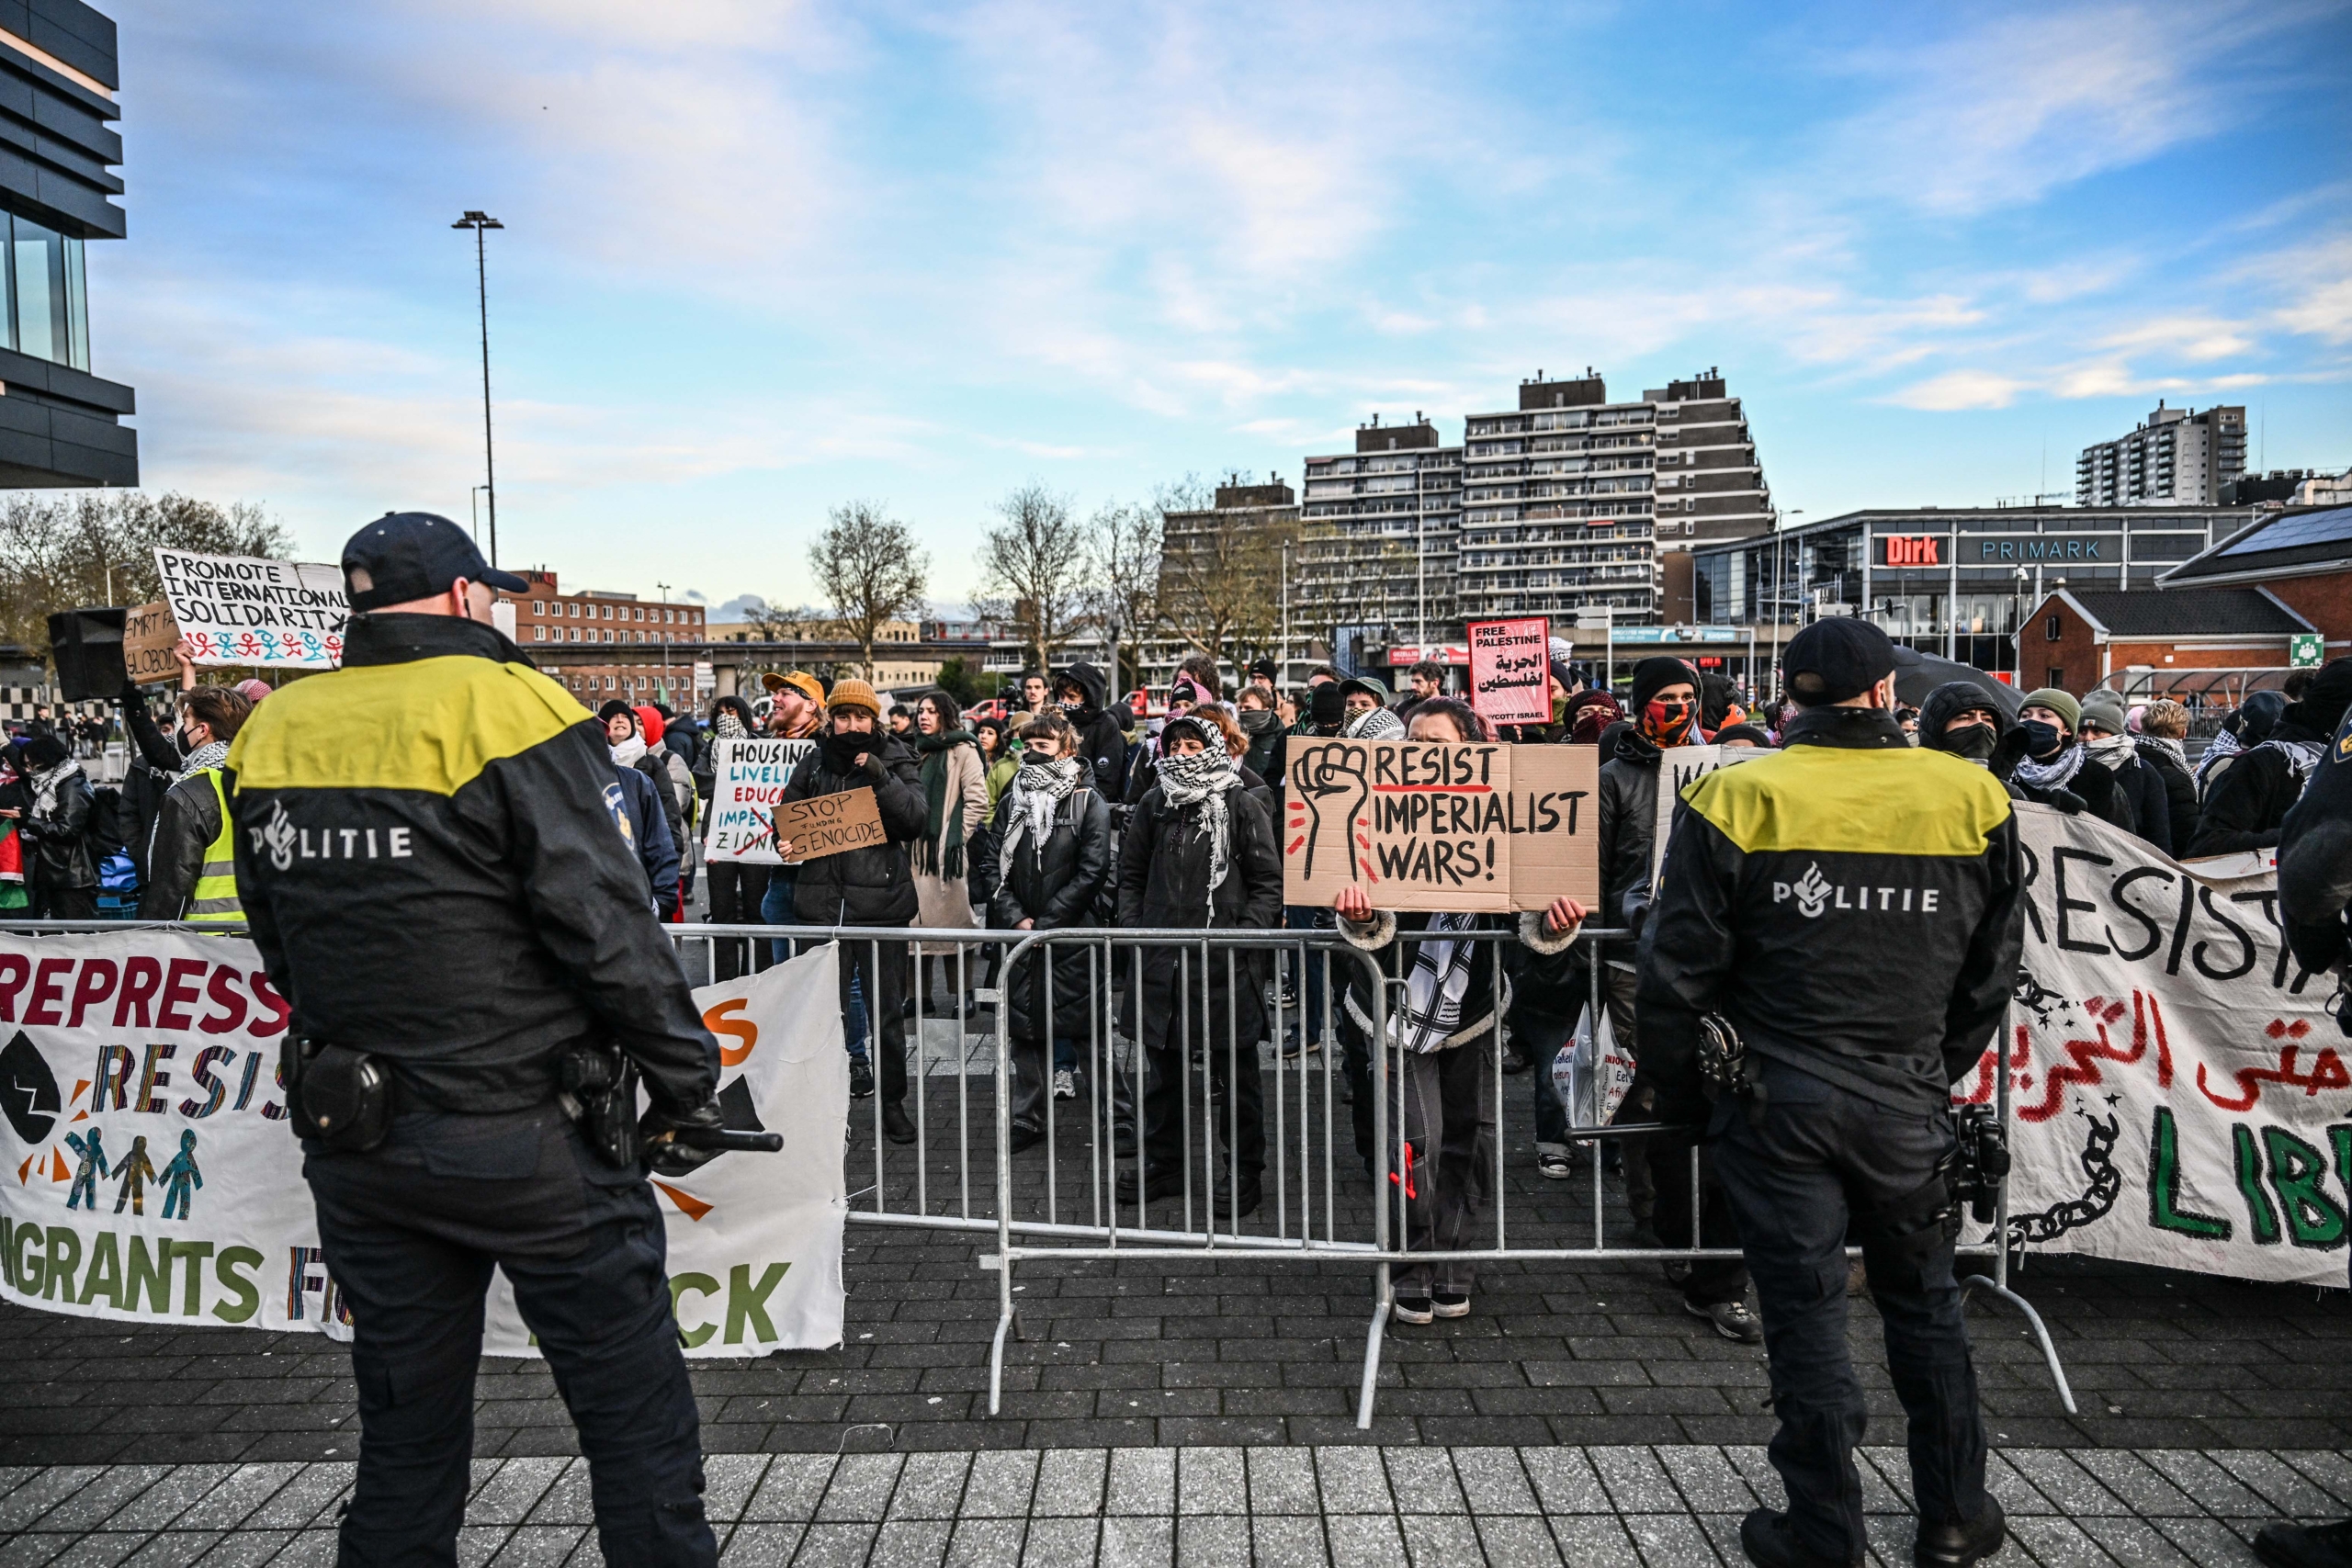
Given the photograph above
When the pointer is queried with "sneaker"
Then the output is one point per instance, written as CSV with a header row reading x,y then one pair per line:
x,y
1025,1136
1064,1084
1553,1165
861,1079
1295,1047
2305,1546
1413,1309
1732,1320
1449,1304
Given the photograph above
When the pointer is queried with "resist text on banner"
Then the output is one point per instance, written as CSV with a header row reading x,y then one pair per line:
x,y
240,609
2179,1091
748,777
147,1172
1423,825
1510,671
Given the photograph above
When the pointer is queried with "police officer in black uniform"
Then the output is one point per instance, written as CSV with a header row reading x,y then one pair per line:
x,y
1848,909
428,854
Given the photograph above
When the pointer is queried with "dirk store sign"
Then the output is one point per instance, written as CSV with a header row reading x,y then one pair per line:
x,y
149,1175
2179,1091
1424,825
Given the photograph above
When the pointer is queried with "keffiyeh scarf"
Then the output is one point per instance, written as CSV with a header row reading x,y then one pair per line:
x,y
46,784
726,725
2111,751
2223,745
2055,773
1202,778
1432,1015
2302,756
212,754
1037,792
1378,724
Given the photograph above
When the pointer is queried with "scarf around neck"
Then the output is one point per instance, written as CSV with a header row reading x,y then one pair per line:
x,y
1037,791
2111,751
726,725
2302,756
1201,779
1432,1015
2055,773
212,754
1375,724
941,852
626,753
2223,745
46,786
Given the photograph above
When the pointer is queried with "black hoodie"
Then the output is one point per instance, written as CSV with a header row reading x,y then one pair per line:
x,y
2246,806
1102,740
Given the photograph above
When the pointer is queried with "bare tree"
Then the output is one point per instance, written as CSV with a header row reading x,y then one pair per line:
x,y
1124,560
1220,581
870,567
1032,571
98,548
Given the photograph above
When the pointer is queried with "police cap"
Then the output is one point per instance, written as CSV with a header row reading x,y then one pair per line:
x,y
1832,660
404,555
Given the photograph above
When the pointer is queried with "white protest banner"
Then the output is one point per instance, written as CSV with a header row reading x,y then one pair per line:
x,y
1678,768
147,1173
241,610
2178,1089
748,780
1510,669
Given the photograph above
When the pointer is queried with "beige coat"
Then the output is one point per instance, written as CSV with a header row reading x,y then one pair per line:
x,y
944,900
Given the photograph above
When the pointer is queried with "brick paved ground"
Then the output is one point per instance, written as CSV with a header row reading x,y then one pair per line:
x,y
1675,1507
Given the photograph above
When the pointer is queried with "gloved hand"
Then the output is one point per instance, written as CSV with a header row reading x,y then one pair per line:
x,y
874,767
663,1153
2008,753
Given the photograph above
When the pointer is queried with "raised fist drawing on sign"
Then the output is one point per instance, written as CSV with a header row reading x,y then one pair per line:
x,y
1335,788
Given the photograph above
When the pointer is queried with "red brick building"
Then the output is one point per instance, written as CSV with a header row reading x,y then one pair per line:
x,y
607,645
2077,636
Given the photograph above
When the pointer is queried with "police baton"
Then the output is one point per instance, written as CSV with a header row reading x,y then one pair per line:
x,y
726,1140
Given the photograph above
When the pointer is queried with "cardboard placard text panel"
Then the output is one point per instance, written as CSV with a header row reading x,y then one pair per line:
x,y
1422,825
829,824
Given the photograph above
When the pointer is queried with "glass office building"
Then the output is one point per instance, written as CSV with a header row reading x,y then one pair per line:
x,y
1953,581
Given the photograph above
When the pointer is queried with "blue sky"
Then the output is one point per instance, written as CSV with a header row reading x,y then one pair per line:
x,y
763,257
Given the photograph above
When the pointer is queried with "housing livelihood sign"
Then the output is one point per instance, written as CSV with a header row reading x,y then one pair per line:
x,y
2180,1093
747,778
1426,824
149,1175
244,610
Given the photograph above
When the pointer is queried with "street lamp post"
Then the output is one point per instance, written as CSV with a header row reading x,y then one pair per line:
x,y
473,502
480,222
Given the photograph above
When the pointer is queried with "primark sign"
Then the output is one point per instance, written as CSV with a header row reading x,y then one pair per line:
x,y
1997,549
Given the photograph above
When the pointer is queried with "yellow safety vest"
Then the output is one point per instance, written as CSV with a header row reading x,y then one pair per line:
x,y
214,902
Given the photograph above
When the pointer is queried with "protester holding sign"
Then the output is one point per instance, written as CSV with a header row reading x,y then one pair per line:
x,y
1198,852
192,869
871,885
1442,1029
736,886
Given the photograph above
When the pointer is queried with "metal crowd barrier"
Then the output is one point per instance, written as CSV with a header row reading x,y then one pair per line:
x,y
1050,1207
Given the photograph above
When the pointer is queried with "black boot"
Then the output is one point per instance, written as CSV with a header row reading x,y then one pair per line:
x,y
1765,1536
1958,1545
2306,1546
897,1125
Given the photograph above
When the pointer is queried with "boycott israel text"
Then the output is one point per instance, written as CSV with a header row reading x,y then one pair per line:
x,y
149,1174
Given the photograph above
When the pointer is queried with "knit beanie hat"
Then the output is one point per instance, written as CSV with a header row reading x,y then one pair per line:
x,y
854,693
2105,709
616,709
1654,674
2062,703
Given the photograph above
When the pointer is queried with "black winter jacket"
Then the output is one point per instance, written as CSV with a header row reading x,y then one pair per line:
x,y
1101,742
2315,859
185,827
429,864
154,763
57,843
2181,813
2142,788
871,887
1062,883
1164,881
639,813
1628,826
1852,904
2249,801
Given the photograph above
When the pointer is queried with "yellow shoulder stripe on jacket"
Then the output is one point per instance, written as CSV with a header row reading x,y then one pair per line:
x,y
1835,800
430,724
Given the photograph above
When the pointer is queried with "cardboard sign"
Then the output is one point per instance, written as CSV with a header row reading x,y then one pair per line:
x,y
1679,767
241,610
148,635
749,773
1423,825
1510,671
828,824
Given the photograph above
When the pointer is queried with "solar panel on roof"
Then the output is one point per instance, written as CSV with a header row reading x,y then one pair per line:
x,y
2333,527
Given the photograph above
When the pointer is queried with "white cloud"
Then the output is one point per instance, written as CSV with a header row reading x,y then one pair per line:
x,y
1959,389
2195,338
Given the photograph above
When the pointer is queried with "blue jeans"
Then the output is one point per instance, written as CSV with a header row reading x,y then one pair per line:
x,y
1308,917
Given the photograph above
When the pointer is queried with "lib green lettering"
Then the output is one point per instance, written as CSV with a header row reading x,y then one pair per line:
x,y
2164,1209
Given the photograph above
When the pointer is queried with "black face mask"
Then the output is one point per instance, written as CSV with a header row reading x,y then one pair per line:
x,y
842,751
2043,738
1974,740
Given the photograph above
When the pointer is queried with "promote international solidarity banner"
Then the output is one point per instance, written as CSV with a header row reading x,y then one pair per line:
x,y
748,780
149,1175
2179,1090
242,610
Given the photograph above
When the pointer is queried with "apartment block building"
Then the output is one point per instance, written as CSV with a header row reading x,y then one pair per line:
x,y
1569,500
2177,458
604,645
1379,532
